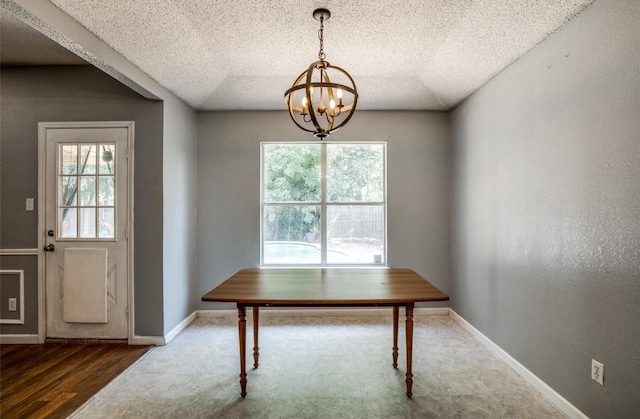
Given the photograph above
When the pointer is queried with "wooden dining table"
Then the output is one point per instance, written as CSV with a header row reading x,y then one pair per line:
x,y
325,287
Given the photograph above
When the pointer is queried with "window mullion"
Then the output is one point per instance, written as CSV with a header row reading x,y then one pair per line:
x,y
96,202
78,179
290,203
323,205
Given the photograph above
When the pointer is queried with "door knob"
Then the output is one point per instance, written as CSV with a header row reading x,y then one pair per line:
x,y
49,248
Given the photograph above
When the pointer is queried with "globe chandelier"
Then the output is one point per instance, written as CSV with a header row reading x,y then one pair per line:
x,y
324,97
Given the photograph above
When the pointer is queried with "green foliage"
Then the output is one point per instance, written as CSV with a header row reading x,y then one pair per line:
x,y
292,173
355,173
291,223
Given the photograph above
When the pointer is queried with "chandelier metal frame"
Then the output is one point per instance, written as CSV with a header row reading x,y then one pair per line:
x,y
313,109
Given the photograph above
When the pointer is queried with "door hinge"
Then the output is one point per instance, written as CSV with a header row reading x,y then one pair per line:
x,y
126,153
126,313
126,233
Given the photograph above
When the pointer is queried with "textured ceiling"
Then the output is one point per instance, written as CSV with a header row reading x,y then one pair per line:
x,y
233,54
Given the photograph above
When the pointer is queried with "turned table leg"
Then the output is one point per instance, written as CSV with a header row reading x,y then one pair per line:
x,y
409,332
396,311
256,349
242,333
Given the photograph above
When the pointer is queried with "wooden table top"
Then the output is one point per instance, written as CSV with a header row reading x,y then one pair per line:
x,y
325,287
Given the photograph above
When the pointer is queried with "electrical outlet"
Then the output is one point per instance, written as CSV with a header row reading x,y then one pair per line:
x,y
29,204
597,372
13,304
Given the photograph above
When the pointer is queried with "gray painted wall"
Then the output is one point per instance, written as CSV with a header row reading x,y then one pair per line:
x,y
30,95
418,154
546,222
179,184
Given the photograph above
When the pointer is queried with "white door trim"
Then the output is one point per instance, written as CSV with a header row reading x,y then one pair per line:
x,y
42,131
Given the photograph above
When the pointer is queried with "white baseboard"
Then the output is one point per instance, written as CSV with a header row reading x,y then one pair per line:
x,y
549,393
147,340
327,312
163,340
174,332
19,339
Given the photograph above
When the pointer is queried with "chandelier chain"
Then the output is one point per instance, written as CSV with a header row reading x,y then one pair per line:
x,y
321,54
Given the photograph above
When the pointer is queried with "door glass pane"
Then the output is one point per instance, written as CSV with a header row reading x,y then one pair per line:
x,y
87,190
355,234
69,159
291,234
68,223
68,191
107,159
106,223
87,222
291,172
355,173
87,159
106,194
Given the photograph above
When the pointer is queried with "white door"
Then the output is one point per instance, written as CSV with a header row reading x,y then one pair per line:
x,y
86,209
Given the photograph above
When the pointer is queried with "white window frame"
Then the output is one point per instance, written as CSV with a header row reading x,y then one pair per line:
x,y
323,204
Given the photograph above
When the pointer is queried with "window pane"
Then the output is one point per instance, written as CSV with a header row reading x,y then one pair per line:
x,y
291,172
107,191
291,234
88,190
87,222
68,222
69,159
107,159
106,223
87,159
355,234
355,172
68,191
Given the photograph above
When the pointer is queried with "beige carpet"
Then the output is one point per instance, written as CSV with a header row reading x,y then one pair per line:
x,y
320,367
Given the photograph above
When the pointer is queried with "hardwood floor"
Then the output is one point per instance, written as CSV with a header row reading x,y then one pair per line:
x,y
54,379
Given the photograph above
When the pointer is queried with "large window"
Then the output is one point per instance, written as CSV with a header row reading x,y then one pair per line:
x,y
323,204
